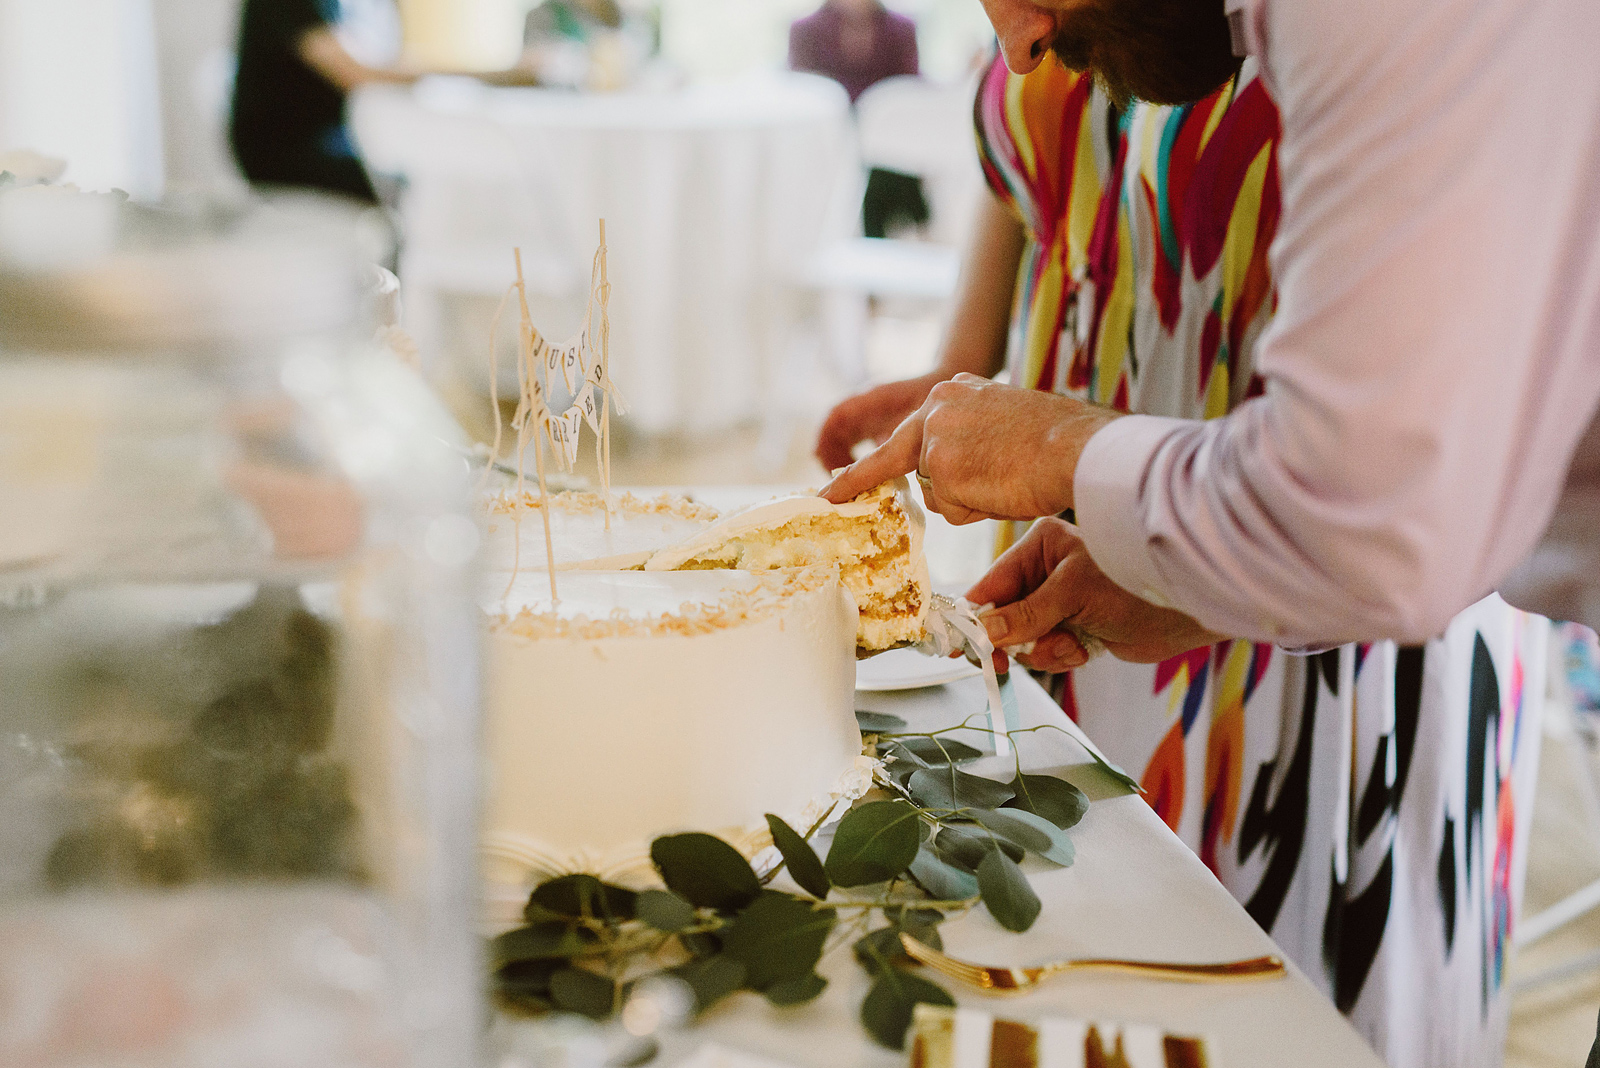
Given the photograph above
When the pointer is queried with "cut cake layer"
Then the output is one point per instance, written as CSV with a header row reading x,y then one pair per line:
x,y
875,539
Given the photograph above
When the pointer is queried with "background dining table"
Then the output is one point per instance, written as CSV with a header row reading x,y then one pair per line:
x,y
714,197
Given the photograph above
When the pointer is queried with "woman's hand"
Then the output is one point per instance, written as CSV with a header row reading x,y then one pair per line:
x,y
1047,583
871,415
983,450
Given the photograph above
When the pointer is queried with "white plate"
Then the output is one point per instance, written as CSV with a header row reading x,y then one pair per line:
x,y
907,669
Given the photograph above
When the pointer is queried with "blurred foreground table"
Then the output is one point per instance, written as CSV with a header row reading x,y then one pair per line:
x,y
1135,891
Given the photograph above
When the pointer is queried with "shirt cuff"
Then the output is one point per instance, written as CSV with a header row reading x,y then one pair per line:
x,y
1106,492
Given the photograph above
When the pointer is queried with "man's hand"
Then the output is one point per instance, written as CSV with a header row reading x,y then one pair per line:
x,y
873,414
1047,582
984,451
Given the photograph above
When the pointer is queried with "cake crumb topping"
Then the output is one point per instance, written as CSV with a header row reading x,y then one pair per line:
x,y
576,502
736,608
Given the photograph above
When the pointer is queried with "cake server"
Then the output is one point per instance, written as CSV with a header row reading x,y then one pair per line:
x,y
1017,980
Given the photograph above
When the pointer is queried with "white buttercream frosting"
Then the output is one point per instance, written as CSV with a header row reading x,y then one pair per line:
x,y
646,704
584,535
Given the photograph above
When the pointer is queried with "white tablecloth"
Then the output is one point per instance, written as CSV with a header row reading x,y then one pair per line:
x,y
712,196
1135,891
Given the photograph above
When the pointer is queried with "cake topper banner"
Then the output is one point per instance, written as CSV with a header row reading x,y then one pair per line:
x,y
583,367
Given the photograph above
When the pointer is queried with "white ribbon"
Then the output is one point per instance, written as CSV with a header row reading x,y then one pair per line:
x,y
572,366
586,404
953,626
564,436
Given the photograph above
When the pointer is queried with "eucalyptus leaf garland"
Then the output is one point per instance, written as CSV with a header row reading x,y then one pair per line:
x,y
933,842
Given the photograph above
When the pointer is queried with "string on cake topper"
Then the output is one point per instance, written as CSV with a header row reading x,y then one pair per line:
x,y
583,367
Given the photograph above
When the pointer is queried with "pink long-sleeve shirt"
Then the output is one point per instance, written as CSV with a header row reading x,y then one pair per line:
x,y
1435,356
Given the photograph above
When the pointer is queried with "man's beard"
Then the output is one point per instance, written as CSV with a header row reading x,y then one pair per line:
x,y
1160,51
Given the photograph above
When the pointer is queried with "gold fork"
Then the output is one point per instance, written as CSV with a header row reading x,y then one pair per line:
x,y
1016,980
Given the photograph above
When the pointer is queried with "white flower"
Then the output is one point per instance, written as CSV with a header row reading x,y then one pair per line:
x,y
858,780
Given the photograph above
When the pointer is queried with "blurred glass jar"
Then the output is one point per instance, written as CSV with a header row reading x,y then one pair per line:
x,y
238,652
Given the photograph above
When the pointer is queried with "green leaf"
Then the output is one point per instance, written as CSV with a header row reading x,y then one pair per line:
x,y
937,752
514,1003
1123,778
534,913
779,937
524,978
878,722
1013,826
948,788
711,979
944,881
882,948
879,950
804,867
901,756
796,991
664,910
921,924
579,991
1032,832
1057,800
542,941
583,896
886,1010
873,843
1010,900
966,848
707,871
701,944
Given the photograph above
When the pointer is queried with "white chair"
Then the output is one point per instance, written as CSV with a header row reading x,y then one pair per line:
x,y
922,128
459,175
915,127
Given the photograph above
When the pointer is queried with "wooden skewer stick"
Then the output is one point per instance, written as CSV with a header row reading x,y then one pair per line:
x,y
540,415
603,446
517,424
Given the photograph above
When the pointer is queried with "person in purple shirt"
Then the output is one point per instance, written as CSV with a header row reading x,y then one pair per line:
x,y
858,43
855,42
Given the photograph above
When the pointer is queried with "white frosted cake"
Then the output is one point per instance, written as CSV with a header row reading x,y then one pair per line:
x,y
581,533
875,539
646,703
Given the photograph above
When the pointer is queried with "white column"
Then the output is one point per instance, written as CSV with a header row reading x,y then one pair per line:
x,y
78,81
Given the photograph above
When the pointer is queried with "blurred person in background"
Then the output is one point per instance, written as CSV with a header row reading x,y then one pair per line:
x,y
858,43
597,44
574,20
298,61
1129,250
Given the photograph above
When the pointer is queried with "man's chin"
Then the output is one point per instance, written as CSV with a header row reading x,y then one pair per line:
x,y
1156,83
1158,51
1163,90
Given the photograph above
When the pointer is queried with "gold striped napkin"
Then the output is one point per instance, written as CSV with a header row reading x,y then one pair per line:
x,y
971,1038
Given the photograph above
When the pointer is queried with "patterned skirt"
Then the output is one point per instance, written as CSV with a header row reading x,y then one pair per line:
x,y
1369,806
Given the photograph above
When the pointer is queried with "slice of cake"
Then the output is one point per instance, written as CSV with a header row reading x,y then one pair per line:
x,y
645,704
582,535
943,1037
875,539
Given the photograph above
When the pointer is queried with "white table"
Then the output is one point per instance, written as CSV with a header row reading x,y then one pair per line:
x,y
1135,891
713,196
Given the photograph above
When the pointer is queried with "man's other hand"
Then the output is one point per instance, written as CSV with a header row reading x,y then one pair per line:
x,y
870,415
1047,583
